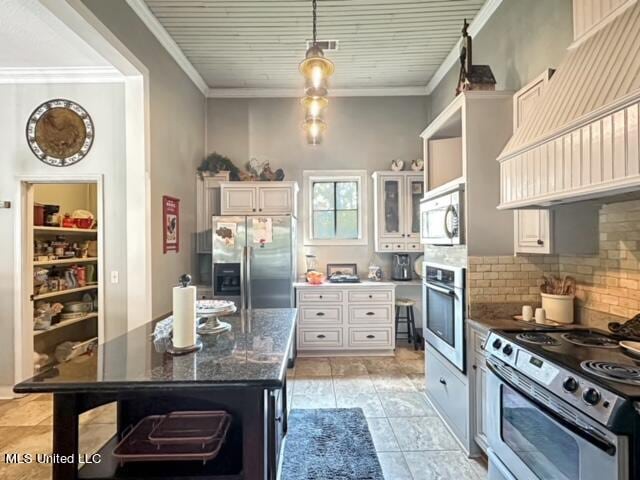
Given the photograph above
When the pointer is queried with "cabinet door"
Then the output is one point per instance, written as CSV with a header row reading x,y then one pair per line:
x,y
480,373
414,190
207,205
239,200
391,211
531,229
275,200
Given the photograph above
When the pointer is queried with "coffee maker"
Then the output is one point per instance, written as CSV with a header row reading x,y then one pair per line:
x,y
401,267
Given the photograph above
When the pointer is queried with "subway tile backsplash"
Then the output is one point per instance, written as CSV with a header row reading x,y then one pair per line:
x,y
608,283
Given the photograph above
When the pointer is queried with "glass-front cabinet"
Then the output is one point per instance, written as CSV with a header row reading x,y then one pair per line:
x,y
396,211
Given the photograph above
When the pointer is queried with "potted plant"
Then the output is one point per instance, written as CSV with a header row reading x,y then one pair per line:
x,y
216,163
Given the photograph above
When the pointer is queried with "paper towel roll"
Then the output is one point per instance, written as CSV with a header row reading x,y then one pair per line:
x,y
184,316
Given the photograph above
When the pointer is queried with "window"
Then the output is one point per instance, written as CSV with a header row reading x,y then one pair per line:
x,y
335,207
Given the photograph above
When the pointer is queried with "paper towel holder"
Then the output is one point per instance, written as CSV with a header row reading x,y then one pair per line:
x,y
184,280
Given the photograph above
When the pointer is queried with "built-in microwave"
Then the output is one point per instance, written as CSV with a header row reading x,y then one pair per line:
x,y
441,221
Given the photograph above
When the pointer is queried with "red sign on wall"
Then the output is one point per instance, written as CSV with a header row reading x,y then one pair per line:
x,y
171,224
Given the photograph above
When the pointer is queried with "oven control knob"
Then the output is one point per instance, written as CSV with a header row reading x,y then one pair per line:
x,y
507,350
570,384
496,344
591,396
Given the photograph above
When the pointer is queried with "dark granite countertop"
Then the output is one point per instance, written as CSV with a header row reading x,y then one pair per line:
x,y
253,353
486,323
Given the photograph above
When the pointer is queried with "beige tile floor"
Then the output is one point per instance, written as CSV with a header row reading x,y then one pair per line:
x,y
411,441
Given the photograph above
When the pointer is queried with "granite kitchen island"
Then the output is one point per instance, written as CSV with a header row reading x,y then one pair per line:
x,y
242,371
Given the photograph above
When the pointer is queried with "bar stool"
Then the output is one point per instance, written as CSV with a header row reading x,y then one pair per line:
x,y
409,318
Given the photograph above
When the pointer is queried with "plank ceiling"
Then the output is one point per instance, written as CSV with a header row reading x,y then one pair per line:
x,y
259,43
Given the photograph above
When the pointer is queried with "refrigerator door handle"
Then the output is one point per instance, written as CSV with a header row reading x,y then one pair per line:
x,y
242,278
249,256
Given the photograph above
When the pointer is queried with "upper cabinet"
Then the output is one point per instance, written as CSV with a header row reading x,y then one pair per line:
x,y
207,205
249,198
397,210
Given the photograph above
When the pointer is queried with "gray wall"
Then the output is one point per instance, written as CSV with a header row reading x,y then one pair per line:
x,y
177,143
520,40
363,133
105,104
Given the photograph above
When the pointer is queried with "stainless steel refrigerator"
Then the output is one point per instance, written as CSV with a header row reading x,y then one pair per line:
x,y
254,260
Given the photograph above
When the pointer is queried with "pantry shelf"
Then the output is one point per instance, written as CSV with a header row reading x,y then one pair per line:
x,y
65,323
67,230
65,292
66,261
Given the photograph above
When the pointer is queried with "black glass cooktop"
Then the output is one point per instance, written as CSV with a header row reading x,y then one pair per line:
x,y
590,353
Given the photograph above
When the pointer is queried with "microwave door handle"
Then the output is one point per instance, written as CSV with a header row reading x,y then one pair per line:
x,y
583,431
449,211
446,291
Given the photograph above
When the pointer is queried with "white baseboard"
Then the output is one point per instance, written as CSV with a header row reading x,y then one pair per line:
x,y
6,392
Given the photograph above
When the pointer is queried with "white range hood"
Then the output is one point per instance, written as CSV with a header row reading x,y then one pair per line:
x,y
581,141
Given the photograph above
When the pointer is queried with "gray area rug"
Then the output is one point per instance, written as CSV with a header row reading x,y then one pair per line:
x,y
329,444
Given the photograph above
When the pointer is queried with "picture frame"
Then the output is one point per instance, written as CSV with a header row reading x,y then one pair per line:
x,y
170,224
342,268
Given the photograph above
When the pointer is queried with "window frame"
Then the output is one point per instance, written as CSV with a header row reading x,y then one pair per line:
x,y
358,176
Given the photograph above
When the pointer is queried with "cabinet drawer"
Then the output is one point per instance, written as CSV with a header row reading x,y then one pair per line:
x,y
319,338
413,247
386,247
367,315
324,315
331,296
478,341
448,393
370,337
399,247
370,296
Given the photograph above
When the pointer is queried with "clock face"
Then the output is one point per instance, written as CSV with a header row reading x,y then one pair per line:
x,y
60,132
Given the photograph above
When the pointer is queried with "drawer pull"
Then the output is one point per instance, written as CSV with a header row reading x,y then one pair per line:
x,y
371,336
320,336
320,296
320,314
443,381
370,296
370,313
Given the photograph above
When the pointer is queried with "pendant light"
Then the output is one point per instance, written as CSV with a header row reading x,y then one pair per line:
x,y
316,69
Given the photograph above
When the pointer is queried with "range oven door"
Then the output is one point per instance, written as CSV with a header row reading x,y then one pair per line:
x,y
444,321
534,442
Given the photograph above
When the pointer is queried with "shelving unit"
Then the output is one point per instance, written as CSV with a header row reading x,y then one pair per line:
x,y
63,272
66,323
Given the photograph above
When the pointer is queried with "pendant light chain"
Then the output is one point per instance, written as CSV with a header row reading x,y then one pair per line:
x,y
314,4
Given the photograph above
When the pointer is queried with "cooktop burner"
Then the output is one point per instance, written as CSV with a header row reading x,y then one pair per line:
x,y
616,372
537,338
588,338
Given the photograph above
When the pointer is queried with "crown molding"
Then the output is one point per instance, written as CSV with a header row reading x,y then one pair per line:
x,y
148,18
483,16
60,75
297,92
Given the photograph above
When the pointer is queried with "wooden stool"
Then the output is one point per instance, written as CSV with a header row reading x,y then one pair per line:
x,y
409,317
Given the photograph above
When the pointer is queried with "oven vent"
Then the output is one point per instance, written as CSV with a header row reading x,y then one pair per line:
x,y
325,45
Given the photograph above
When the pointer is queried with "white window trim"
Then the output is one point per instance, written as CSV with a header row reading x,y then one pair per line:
x,y
359,176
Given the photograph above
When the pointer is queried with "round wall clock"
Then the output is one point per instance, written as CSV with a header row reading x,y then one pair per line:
x,y
60,132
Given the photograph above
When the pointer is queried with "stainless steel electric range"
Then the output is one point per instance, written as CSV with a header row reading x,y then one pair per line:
x,y
564,404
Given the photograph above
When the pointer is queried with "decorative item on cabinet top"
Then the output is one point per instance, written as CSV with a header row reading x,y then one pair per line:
x,y
472,77
60,132
256,169
397,165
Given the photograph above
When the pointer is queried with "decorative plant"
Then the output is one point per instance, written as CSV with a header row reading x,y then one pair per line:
x,y
216,163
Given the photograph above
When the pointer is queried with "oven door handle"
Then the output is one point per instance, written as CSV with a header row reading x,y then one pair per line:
x,y
446,291
584,432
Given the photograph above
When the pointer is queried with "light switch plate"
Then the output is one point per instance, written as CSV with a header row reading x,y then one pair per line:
x,y
114,277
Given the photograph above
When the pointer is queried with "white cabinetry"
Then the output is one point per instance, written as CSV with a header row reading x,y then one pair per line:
x,y
247,198
397,198
344,318
478,377
207,205
570,229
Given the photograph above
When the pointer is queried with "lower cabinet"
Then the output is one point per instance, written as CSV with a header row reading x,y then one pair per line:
x,y
478,377
343,318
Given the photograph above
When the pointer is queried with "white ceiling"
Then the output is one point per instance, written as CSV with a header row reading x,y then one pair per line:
x,y
258,44
32,37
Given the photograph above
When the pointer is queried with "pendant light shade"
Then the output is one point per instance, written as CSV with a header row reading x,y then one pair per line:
x,y
316,69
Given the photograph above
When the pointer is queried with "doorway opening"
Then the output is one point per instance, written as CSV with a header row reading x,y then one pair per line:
x,y
61,294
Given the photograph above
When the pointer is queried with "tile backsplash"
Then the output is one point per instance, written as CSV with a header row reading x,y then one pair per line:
x,y
608,282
